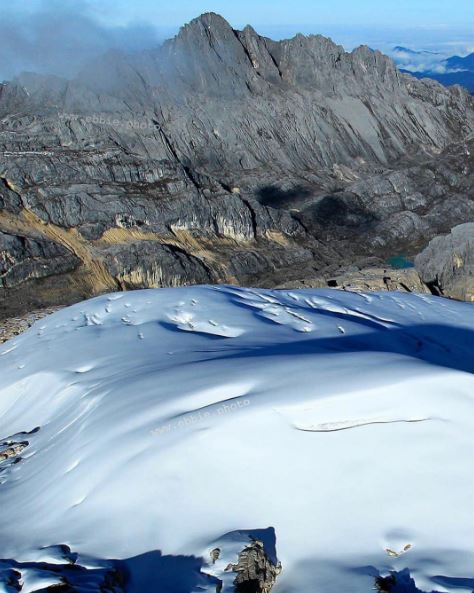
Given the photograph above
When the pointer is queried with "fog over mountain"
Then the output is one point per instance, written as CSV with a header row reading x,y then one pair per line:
x,y
59,38
53,37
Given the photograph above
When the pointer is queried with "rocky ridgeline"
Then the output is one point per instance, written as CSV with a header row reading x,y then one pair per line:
x,y
223,156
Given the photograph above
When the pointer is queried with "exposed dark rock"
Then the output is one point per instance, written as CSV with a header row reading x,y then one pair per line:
x,y
397,582
385,584
12,450
256,573
11,580
150,265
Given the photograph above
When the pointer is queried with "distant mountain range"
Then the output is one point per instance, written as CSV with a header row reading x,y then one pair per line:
x,y
459,63
401,53
464,78
429,64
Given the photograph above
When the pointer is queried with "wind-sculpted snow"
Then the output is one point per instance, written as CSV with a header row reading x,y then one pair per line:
x,y
168,420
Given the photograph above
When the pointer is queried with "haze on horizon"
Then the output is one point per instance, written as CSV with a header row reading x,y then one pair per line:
x,y
59,37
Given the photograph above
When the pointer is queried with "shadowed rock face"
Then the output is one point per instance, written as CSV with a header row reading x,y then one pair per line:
x,y
223,156
23,258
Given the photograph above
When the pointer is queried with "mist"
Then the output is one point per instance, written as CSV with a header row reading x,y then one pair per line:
x,y
59,38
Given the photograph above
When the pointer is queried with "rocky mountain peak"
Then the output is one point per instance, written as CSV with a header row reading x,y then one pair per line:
x,y
209,19
207,56
209,26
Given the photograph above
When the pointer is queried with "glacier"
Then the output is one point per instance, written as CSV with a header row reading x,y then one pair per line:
x,y
165,420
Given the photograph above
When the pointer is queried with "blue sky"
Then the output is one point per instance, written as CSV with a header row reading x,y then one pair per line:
x,y
423,13
351,13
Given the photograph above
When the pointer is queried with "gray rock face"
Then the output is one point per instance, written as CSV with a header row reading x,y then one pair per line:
x,y
148,265
399,209
222,156
447,264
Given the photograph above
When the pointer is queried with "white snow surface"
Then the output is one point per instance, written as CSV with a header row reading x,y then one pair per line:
x,y
169,418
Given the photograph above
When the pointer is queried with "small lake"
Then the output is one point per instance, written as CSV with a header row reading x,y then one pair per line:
x,y
401,262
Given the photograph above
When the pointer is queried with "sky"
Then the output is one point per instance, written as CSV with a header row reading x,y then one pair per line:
x,y
422,13
59,36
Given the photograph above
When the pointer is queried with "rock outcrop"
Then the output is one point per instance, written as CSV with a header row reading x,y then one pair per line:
x,y
14,326
367,280
256,573
447,264
10,450
222,156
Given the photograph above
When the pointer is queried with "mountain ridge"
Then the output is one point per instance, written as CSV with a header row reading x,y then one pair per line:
x,y
221,156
